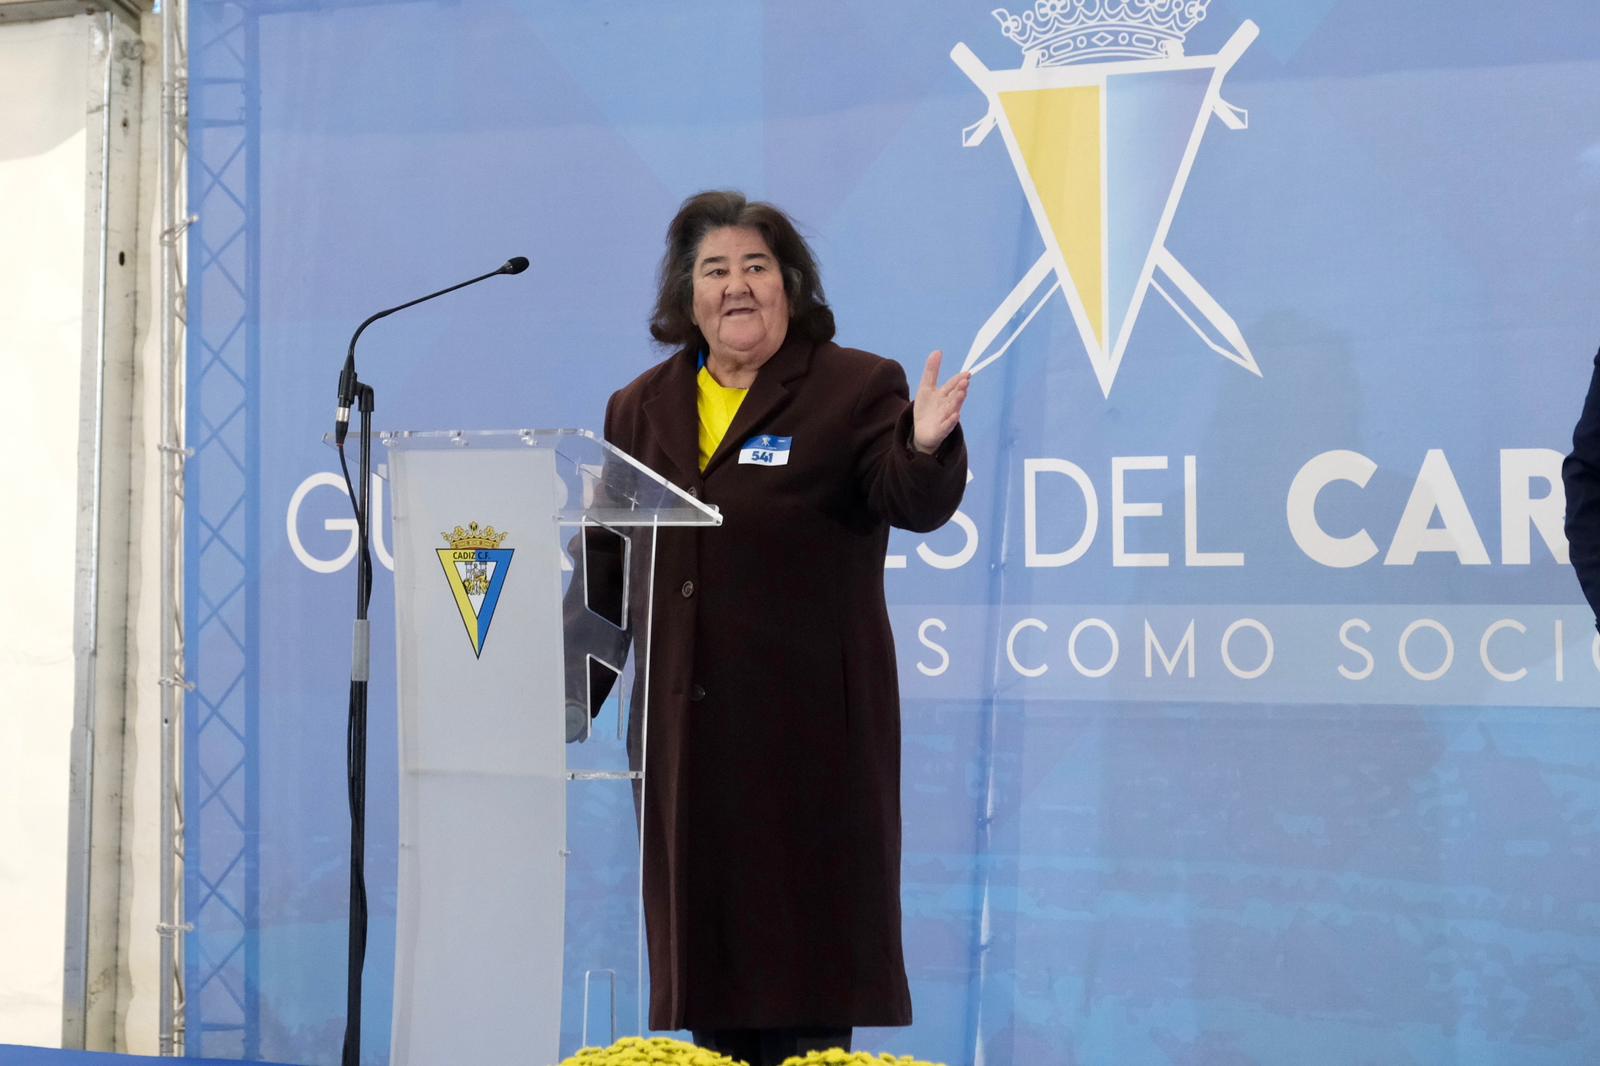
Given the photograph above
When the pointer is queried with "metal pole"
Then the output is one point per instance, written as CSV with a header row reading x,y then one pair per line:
x,y
174,222
80,829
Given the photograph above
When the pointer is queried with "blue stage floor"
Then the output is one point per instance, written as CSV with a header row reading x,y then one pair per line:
x,y
12,1055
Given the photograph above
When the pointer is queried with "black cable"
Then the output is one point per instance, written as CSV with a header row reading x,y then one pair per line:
x,y
356,747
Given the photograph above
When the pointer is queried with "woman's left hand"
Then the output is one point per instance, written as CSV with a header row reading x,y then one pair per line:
x,y
937,408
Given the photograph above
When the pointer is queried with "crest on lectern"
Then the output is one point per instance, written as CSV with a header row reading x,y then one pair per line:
x,y
476,564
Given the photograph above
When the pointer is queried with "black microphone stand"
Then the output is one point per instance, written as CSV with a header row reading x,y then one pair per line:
x,y
356,728
354,393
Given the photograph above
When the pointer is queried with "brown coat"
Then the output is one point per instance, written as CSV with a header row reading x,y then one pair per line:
x,y
772,799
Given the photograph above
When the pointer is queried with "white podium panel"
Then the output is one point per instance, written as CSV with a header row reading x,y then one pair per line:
x,y
482,774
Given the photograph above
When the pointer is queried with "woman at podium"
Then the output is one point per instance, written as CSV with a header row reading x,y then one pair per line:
x,y
771,813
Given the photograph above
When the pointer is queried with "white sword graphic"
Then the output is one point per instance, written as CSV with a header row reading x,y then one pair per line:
x,y
1186,295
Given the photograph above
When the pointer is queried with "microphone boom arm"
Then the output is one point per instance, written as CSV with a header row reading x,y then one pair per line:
x,y
348,383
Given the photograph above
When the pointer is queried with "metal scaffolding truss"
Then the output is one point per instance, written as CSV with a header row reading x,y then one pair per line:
x,y
211,946
220,877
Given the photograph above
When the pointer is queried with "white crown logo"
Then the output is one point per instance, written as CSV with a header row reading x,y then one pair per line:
x,y
1058,32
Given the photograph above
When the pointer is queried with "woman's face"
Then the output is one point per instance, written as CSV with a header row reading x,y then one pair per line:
x,y
739,302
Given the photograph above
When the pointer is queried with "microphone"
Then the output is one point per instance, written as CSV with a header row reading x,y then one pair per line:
x,y
348,384
350,390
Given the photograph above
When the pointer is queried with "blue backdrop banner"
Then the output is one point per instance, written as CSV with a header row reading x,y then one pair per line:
x,y
1248,695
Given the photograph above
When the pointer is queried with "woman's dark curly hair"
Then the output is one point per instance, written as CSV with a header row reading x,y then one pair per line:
x,y
671,323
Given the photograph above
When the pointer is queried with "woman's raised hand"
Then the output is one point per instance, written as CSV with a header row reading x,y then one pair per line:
x,y
937,408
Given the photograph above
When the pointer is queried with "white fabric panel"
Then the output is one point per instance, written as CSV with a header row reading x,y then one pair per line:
x,y
44,82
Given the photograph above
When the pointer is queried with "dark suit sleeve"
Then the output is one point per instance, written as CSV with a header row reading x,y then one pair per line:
x,y
903,486
1580,475
599,562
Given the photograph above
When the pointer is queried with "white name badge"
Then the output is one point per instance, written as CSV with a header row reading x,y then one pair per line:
x,y
766,451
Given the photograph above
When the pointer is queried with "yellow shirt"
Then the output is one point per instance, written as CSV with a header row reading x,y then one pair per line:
x,y
717,405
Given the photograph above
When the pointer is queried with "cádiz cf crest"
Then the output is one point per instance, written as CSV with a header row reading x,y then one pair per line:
x,y
1102,122
476,566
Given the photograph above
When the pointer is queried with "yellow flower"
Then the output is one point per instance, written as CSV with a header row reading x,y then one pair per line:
x,y
838,1057
665,1051
651,1051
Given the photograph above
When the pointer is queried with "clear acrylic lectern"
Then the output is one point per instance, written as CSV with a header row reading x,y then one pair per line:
x,y
519,930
